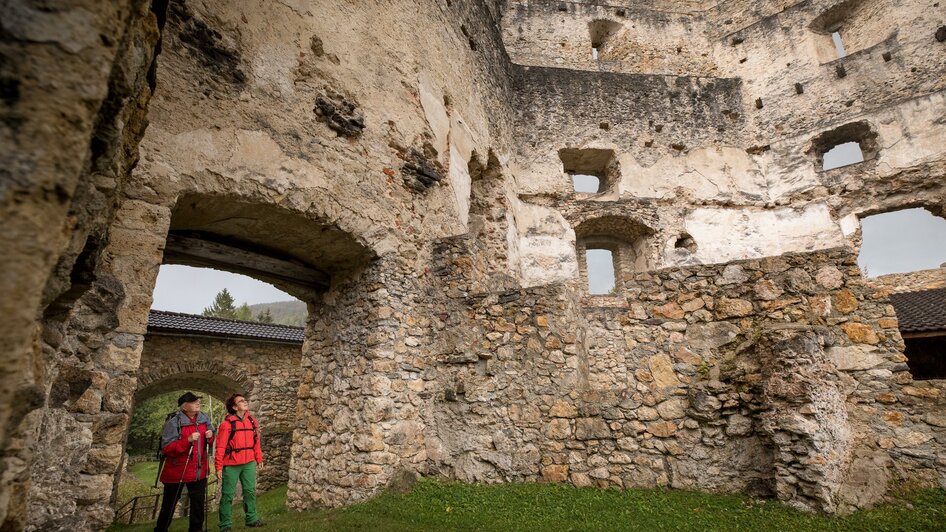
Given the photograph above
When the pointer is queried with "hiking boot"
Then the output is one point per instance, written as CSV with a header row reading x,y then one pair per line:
x,y
256,524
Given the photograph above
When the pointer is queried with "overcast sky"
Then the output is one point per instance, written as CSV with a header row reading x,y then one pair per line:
x,y
190,290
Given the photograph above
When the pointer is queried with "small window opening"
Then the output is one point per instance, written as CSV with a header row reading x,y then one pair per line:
x,y
844,145
838,44
843,155
600,264
601,32
592,170
586,183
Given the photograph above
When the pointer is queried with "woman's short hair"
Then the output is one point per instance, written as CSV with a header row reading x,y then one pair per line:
x,y
231,402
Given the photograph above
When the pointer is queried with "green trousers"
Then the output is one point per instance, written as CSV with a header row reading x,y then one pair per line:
x,y
246,474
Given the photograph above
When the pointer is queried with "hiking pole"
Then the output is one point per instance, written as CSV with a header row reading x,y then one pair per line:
x,y
180,484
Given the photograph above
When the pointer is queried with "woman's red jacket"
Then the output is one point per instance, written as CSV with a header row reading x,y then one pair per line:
x,y
244,447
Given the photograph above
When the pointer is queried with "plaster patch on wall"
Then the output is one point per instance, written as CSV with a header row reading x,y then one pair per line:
x,y
707,173
546,245
733,234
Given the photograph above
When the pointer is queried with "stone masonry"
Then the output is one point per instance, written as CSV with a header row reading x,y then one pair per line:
x,y
414,188
267,373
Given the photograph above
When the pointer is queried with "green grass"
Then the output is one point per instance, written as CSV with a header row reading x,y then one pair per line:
x,y
435,505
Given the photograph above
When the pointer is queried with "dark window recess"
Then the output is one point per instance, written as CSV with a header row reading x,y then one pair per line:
x,y
685,242
926,357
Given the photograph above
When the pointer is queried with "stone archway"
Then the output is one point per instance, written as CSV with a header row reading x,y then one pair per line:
x,y
268,373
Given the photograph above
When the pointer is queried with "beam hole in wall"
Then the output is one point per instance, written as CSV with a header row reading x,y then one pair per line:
x,y
685,242
845,145
591,170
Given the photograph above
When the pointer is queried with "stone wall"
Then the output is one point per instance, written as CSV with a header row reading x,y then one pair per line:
x,y
418,178
781,376
267,373
911,281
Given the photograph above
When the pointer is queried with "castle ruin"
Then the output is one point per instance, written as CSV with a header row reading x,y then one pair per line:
x,y
406,167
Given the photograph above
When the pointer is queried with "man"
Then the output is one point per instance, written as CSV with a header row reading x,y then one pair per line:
x,y
238,457
184,442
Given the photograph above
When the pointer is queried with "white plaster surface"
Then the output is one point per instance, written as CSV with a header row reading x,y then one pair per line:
x,y
724,235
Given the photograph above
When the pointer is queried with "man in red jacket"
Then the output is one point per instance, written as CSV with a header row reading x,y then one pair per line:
x,y
238,455
186,437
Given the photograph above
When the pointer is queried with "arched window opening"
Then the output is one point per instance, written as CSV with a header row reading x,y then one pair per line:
x,y
600,271
845,145
610,250
592,170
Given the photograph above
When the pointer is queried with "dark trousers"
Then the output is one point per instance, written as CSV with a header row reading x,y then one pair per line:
x,y
196,492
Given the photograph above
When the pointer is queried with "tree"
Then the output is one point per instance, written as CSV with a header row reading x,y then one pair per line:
x,y
222,306
265,316
243,313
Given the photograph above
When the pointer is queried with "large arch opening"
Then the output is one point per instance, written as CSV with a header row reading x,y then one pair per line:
x,y
904,251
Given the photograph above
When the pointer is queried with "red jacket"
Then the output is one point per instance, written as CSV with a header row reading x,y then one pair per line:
x,y
176,446
243,447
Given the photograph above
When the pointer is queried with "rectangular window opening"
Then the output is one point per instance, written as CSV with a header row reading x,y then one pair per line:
x,y
594,53
600,265
843,155
589,184
838,45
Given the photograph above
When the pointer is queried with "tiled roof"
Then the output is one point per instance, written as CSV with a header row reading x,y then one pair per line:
x,y
160,321
921,311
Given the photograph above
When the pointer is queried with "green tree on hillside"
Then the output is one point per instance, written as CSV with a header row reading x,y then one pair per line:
x,y
222,306
244,313
265,316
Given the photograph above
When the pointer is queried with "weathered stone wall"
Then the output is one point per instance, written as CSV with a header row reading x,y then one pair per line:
x,y
419,178
267,373
781,376
911,281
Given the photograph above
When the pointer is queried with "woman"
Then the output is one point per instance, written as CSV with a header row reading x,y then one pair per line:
x,y
238,457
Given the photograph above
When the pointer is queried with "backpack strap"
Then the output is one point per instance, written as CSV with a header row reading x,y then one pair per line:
x,y
233,430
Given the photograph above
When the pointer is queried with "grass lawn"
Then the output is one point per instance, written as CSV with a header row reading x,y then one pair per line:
x,y
435,505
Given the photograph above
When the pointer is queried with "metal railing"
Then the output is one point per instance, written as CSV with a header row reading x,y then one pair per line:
x,y
145,508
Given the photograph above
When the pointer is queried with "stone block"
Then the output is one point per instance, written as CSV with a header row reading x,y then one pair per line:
x,y
855,357
591,428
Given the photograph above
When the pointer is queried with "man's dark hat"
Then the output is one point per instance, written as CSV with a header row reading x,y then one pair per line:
x,y
187,398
